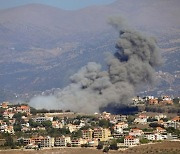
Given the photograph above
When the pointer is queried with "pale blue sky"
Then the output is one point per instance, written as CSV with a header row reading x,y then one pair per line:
x,y
64,4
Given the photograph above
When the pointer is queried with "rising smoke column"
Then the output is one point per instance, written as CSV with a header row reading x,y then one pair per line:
x,y
91,88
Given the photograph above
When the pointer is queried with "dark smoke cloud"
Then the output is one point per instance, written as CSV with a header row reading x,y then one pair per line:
x,y
132,65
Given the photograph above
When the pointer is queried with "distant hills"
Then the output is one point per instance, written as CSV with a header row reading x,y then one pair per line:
x,y
41,46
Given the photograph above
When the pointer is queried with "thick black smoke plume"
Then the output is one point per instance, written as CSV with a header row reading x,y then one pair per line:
x,y
132,65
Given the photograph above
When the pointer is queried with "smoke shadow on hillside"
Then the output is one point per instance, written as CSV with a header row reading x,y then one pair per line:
x,y
119,109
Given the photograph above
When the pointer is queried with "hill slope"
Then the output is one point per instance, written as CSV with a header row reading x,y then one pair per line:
x,y
41,46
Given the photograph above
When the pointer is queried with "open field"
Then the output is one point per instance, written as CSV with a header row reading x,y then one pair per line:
x,y
56,151
158,148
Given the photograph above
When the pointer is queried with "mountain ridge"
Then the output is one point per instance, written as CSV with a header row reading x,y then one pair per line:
x,y
41,49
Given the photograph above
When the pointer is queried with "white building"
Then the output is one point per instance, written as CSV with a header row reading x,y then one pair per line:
x,y
82,123
57,124
171,123
7,115
136,132
160,116
73,128
156,136
121,118
141,119
131,141
118,128
42,119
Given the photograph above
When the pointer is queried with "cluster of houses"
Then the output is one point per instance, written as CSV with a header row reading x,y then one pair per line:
x,y
151,100
92,135
8,113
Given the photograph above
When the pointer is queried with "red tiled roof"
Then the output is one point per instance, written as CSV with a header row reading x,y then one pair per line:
x,y
129,137
177,118
24,107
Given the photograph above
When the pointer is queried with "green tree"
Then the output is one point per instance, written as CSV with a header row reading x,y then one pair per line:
x,y
173,131
106,149
18,117
68,144
34,124
33,111
130,119
7,121
55,118
104,123
100,145
76,122
150,119
56,132
21,142
113,145
176,100
164,119
144,141
1,117
120,140
9,141
47,123
17,127
94,124
77,134
147,130
85,127
2,110
154,125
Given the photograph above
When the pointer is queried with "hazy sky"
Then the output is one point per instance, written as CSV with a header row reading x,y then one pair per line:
x,y
64,4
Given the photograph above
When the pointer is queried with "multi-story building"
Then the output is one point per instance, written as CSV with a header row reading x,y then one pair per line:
x,y
120,126
160,130
117,135
153,101
136,132
37,140
73,128
87,134
121,118
4,105
62,141
76,142
102,134
42,119
171,123
131,141
106,115
47,142
23,109
7,114
141,119
57,124
156,136
25,141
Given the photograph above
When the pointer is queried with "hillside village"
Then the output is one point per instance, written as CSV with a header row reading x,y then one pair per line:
x,y
22,126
